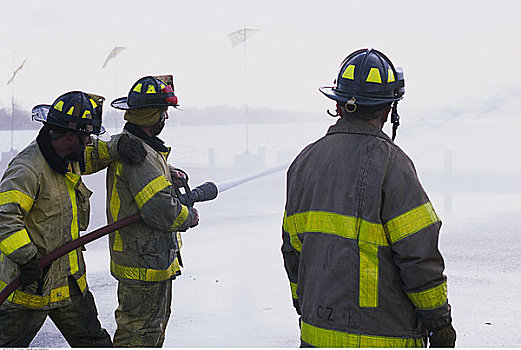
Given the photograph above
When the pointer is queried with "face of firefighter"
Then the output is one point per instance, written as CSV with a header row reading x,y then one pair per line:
x,y
161,123
79,142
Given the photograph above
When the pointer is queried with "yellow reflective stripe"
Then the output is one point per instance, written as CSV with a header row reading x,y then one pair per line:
x,y
71,110
15,241
336,224
103,150
154,186
411,222
289,225
374,76
37,301
368,275
349,73
328,338
72,180
151,89
183,215
93,103
431,298
88,159
115,204
86,113
23,200
82,282
293,290
143,274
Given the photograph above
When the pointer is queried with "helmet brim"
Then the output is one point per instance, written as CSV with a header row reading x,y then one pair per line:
x,y
330,92
122,103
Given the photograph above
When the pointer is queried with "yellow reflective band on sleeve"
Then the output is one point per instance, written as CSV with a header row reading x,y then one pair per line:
x,y
431,298
368,275
374,76
349,73
23,200
329,338
411,222
15,241
293,290
143,274
82,282
88,159
154,186
151,89
390,75
118,243
335,224
36,301
183,215
137,88
115,205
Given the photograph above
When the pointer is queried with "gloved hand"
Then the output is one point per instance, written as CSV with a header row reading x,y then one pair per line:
x,y
191,221
131,151
178,177
443,338
30,272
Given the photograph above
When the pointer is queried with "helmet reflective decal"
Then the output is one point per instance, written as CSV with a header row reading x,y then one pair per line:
x,y
374,76
71,110
390,75
59,106
138,88
349,73
151,89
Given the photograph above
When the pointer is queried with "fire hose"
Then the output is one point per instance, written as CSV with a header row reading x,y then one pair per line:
x,y
204,192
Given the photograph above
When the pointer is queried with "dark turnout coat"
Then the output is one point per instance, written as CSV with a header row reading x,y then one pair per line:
x,y
360,243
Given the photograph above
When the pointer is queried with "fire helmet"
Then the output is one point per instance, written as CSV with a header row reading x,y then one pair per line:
x,y
75,110
366,78
149,91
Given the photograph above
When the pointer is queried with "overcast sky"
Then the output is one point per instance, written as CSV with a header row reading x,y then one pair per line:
x,y
452,52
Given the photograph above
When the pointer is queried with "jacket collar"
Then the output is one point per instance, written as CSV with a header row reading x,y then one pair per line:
x,y
57,163
356,126
153,141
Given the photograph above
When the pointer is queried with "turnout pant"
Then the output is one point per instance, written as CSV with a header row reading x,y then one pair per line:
x,y
78,322
142,314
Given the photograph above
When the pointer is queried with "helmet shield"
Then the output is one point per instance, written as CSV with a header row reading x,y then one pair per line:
x,y
76,111
367,77
149,91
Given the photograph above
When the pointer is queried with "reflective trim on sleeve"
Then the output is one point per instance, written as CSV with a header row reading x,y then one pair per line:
x,y
328,338
183,215
13,196
143,274
431,298
15,241
103,151
37,301
115,205
88,159
411,222
368,275
293,290
154,186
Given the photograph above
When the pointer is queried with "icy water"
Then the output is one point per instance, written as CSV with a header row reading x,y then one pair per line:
x,y
234,292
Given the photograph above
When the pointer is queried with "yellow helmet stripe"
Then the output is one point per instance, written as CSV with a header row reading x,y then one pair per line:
x,y
374,76
349,73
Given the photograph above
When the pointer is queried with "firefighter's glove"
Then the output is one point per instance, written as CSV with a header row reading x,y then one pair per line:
x,y
179,177
443,338
191,221
131,151
30,272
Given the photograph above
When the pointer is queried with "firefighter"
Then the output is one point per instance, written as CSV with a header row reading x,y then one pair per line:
x,y
145,257
44,204
360,236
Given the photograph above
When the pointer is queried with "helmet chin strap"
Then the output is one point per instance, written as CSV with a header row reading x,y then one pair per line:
x,y
395,118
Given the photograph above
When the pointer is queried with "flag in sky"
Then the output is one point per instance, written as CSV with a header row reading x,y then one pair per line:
x,y
241,35
16,72
115,51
